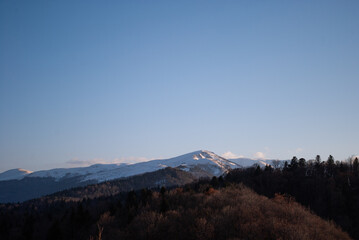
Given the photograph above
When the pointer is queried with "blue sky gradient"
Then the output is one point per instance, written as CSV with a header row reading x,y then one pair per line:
x,y
98,81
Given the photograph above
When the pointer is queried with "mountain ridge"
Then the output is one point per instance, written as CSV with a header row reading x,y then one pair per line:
x,y
103,172
21,185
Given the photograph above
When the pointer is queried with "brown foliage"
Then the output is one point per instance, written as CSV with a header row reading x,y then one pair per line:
x,y
231,213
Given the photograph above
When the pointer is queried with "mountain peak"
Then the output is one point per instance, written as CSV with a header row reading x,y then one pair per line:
x,y
205,154
14,174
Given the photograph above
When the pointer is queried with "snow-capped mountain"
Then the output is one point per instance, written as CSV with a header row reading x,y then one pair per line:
x,y
20,185
13,174
249,162
60,173
199,163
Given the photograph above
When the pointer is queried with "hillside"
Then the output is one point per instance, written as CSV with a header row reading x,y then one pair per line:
x,y
233,212
34,187
167,177
24,185
330,189
197,211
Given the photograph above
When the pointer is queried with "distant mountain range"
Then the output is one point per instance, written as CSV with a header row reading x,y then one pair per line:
x,y
20,185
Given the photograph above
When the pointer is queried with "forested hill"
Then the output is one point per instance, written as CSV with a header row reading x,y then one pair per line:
x,y
205,210
167,177
330,189
217,208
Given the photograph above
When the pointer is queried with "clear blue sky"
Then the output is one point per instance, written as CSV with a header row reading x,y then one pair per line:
x,y
117,80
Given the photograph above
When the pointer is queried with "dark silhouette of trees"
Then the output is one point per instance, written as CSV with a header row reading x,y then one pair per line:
x,y
356,166
28,227
54,232
217,208
302,163
293,164
330,165
330,189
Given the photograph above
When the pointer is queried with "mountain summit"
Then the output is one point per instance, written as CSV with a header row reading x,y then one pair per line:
x,y
19,185
200,163
17,173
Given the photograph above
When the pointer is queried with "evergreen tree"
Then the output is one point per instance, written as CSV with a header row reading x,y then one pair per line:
x,y
28,228
163,190
131,200
268,168
294,163
330,160
317,165
258,171
285,168
356,166
330,165
54,232
301,163
317,160
214,182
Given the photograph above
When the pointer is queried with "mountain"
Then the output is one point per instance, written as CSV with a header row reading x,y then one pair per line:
x,y
20,185
202,210
20,188
34,187
17,173
167,177
249,162
200,163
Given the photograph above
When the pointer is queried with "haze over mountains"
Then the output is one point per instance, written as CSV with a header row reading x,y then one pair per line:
x,y
20,185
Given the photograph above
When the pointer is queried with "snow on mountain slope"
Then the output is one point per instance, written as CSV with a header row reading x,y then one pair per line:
x,y
14,174
201,163
248,162
245,162
59,173
194,162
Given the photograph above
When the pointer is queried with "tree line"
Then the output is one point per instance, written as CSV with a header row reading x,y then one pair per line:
x,y
329,188
222,207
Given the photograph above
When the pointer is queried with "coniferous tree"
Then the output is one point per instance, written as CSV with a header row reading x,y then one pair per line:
x,y
54,232
258,170
28,228
356,166
268,168
317,165
131,200
317,160
163,190
294,163
214,182
330,165
301,163
285,168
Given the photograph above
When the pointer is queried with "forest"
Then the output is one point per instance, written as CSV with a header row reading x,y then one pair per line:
x,y
328,188
299,200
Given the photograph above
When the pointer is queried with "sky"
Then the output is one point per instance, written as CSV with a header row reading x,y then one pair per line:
x,y
83,82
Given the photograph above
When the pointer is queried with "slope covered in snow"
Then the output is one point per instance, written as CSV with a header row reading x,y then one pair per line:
x,y
199,163
59,173
14,174
248,162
